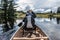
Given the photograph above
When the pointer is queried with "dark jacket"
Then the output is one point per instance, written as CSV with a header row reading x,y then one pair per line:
x,y
32,20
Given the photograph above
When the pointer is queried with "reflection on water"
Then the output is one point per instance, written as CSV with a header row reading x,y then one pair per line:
x,y
58,20
49,25
53,20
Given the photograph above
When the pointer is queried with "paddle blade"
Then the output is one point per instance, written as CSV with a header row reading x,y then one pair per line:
x,y
20,24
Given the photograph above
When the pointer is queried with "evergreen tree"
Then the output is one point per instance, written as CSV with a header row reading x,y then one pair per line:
x,y
11,14
5,5
9,18
58,10
51,11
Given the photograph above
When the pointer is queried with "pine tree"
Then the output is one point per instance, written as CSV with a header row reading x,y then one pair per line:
x,y
9,18
11,12
58,10
5,5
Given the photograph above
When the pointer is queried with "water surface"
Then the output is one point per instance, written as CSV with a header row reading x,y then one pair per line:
x,y
51,27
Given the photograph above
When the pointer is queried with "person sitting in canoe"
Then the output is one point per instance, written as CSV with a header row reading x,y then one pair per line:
x,y
29,21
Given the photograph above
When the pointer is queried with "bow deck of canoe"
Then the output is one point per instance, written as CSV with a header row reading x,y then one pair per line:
x,y
37,34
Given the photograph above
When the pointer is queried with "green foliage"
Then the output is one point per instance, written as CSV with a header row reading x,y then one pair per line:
x,y
8,15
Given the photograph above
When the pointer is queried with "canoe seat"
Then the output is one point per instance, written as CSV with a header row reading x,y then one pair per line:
x,y
25,38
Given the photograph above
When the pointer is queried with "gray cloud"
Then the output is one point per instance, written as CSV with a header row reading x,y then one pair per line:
x,y
37,4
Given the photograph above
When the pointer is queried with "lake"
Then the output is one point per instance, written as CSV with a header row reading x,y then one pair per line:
x,y
50,26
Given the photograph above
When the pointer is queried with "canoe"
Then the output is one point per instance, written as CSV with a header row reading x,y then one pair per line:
x,y
37,34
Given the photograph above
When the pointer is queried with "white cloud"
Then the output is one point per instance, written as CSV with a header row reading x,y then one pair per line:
x,y
39,10
47,10
34,4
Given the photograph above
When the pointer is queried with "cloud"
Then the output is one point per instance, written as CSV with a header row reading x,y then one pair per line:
x,y
49,10
39,10
34,4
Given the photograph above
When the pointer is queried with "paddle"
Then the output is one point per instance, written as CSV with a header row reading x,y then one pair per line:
x,y
20,24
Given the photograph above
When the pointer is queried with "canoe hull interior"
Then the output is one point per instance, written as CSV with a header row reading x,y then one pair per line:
x,y
37,34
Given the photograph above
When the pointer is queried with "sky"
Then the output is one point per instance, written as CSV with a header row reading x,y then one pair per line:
x,y
37,4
